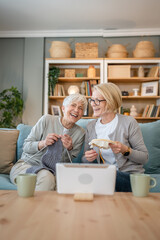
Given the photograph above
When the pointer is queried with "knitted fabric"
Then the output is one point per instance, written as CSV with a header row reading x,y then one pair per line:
x,y
52,156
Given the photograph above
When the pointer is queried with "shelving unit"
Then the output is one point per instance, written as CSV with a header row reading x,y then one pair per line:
x,y
80,66
101,65
129,83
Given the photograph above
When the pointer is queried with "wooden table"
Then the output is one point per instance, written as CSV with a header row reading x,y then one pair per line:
x,y
58,217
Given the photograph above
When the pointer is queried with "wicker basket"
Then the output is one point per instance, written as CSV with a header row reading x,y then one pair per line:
x,y
60,50
144,49
86,50
117,51
69,73
145,44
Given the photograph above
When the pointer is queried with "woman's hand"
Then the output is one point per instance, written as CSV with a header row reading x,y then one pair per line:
x,y
118,147
91,155
50,139
67,141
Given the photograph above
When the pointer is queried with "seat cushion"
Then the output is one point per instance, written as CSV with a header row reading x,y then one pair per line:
x,y
5,183
151,135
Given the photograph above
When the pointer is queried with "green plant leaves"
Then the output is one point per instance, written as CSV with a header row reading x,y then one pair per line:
x,y
11,106
53,76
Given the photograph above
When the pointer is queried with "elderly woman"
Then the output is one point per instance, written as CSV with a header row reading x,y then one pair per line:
x,y
61,137
128,153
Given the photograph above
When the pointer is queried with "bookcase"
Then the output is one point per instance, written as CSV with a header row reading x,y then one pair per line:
x,y
124,72
127,75
73,72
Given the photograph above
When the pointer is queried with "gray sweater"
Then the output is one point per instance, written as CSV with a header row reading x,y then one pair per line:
x,y
127,132
50,124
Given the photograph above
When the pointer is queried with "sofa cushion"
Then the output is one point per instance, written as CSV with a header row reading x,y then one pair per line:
x,y
5,183
151,135
24,132
8,142
82,123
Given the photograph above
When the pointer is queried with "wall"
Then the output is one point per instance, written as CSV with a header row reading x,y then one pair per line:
x,y
22,65
11,63
33,80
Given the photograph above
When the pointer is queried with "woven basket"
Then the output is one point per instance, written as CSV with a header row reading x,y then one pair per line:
x,y
117,51
145,44
86,50
144,49
69,73
117,55
60,50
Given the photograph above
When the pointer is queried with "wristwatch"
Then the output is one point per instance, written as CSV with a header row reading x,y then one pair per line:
x,y
127,152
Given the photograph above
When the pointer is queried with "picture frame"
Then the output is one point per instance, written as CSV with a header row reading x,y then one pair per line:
x,y
56,110
149,88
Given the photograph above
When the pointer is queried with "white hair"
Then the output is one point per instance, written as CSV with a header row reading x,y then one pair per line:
x,y
77,97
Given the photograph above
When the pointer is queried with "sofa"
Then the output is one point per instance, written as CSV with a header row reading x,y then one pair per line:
x,y
150,131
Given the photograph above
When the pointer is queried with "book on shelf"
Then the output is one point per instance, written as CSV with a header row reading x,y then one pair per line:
x,y
153,72
158,112
92,84
88,88
155,111
151,111
151,107
145,111
59,90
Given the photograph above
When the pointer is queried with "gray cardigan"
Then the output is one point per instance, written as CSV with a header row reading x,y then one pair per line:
x,y
127,132
50,124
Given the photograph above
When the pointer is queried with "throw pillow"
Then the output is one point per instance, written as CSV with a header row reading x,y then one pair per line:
x,y
151,136
24,132
8,141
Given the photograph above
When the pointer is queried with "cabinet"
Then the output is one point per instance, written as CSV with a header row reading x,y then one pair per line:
x,y
77,66
128,82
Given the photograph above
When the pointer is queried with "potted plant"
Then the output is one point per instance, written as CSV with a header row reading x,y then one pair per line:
x,y
53,76
11,106
126,111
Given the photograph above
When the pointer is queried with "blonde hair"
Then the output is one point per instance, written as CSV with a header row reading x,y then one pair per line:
x,y
111,94
77,97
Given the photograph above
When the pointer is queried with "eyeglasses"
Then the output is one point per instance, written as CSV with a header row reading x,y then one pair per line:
x,y
96,101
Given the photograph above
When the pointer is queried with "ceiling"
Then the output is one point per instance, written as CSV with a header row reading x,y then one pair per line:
x,y
26,18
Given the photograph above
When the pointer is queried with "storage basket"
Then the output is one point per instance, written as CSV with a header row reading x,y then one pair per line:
x,y
144,49
69,73
117,51
86,50
60,49
119,71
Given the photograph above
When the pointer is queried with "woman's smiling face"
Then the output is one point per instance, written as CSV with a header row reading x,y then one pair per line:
x,y
99,108
73,112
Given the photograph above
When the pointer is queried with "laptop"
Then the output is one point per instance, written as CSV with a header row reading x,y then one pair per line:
x,y
75,178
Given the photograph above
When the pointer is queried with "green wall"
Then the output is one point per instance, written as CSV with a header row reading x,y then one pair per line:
x,y
22,65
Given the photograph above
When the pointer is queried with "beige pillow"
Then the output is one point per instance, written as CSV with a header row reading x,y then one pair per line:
x,y
8,141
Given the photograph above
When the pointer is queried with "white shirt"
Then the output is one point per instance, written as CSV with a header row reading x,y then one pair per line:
x,y
103,131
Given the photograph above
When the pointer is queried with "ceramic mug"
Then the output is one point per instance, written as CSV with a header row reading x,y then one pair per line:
x,y
141,183
26,184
